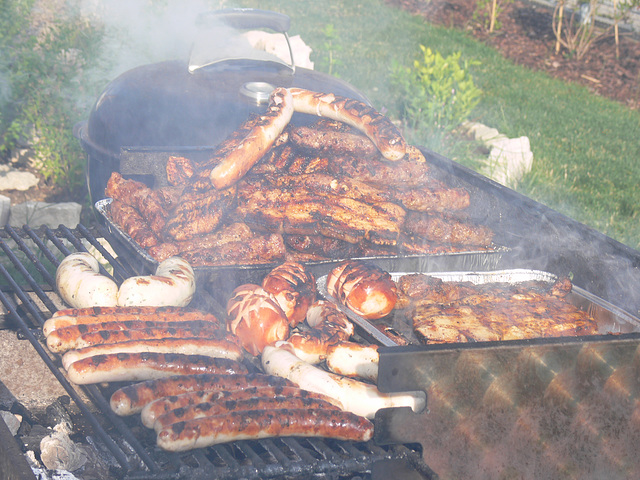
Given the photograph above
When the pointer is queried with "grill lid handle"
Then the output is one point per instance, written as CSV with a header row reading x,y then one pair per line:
x,y
221,38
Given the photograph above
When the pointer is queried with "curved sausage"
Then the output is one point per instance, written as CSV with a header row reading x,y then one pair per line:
x,y
358,397
364,288
352,359
80,283
132,398
256,143
173,285
204,432
328,327
293,287
382,132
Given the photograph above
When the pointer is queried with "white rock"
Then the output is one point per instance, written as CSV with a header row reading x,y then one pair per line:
x,y
509,160
483,133
5,210
52,215
11,420
12,179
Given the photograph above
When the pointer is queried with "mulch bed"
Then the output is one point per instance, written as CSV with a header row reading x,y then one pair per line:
x,y
526,37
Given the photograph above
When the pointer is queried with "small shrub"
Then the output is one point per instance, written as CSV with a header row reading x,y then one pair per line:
x,y
436,92
44,69
578,32
487,12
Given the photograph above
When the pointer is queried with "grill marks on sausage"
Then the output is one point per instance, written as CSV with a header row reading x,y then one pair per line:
x,y
164,406
116,367
132,398
258,424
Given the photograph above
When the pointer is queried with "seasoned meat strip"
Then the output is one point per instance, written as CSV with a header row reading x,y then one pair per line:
x,y
232,233
200,213
335,142
444,230
255,250
132,223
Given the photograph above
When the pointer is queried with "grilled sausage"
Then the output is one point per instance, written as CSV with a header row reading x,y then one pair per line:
x,y
353,360
255,317
163,314
173,285
364,288
220,407
293,287
373,124
162,406
256,143
135,367
204,432
80,283
328,327
209,347
67,339
113,310
360,398
132,398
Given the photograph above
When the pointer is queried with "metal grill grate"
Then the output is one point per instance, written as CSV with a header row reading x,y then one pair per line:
x,y
27,291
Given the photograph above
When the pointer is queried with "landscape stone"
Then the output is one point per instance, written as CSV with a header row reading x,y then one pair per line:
x,y
5,210
12,179
52,215
509,160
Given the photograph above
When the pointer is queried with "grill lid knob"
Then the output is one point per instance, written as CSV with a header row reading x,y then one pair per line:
x,y
257,91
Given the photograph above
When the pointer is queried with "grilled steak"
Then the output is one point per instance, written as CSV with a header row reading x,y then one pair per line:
x,y
462,312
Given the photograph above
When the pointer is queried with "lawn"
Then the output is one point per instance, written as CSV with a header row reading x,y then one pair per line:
x,y
586,148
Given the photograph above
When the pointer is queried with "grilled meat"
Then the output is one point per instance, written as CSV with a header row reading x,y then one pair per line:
x,y
258,249
299,211
444,312
375,171
233,233
199,214
179,170
446,230
132,223
153,205
334,142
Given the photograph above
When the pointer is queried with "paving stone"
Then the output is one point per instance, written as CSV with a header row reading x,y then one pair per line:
x,y
36,214
12,179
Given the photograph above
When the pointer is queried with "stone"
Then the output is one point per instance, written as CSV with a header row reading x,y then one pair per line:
x,y
12,421
5,210
12,179
509,160
52,215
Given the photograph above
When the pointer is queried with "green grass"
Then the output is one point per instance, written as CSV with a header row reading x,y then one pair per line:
x,y
586,148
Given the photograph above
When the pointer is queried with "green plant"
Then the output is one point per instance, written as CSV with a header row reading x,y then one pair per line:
x,y
436,92
488,13
579,32
621,11
44,68
331,44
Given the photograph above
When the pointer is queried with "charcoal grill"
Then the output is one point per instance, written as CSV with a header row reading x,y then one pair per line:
x,y
28,294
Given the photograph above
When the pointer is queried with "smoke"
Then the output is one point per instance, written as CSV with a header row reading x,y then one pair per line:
x,y
139,32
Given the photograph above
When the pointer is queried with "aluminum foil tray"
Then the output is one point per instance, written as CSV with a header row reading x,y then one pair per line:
x,y
610,319
222,279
